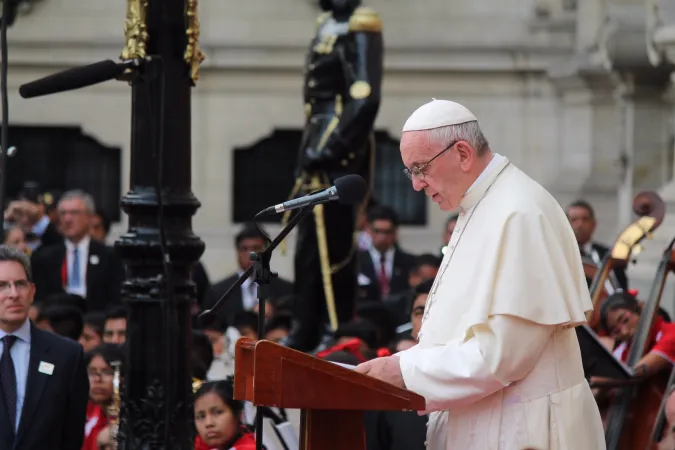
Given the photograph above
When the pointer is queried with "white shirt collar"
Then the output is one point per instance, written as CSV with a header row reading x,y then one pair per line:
x,y
82,246
22,333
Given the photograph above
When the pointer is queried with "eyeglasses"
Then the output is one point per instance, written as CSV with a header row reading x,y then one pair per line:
x,y
19,285
103,374
418,171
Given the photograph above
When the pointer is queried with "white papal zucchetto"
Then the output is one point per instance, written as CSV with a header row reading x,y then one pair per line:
x,y
436,114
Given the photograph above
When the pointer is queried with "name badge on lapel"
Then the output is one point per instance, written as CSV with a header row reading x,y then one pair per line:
x,y
46,368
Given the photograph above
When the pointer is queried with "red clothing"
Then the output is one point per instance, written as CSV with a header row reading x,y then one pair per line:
x,y
245,442
661,338
96,421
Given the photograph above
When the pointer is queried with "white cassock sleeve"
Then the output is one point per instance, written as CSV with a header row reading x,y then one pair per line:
x,y
459,373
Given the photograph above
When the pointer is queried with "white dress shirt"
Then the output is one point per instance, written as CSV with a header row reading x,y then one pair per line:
x,y
249,293
376,256
20,357
83,249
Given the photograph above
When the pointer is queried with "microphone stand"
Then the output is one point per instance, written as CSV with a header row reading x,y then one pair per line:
x,y
262,275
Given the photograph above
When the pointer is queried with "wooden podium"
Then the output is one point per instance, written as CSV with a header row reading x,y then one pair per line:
x,y
332,398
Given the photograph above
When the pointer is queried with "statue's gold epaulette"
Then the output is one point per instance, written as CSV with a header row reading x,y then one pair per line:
x,y
322,19
365,19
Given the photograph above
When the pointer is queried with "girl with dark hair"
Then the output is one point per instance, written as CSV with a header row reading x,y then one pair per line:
x,y
218,418
619,318
100,362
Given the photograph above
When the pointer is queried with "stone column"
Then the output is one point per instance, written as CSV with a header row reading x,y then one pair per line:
x,y
159,247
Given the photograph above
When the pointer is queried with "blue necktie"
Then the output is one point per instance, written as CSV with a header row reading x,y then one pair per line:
x,y
8,378
75,277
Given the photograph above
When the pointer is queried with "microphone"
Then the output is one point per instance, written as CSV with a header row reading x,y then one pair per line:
x,y
76,77
347,190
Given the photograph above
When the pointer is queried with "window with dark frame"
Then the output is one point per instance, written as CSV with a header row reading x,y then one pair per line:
x,y
64,158
264,175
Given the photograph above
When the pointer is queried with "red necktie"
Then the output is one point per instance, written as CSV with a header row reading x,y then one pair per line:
x,y
384,280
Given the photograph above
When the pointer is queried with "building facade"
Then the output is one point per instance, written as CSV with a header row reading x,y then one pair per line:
x,y
576,93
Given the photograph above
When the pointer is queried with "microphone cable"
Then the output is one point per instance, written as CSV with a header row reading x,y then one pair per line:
x,y
4,131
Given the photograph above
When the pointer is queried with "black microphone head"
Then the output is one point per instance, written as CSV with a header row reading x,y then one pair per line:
x,y
207,317
350,189
73,78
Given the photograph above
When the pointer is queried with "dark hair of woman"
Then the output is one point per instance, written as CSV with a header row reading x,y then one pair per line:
x,y
618,300
225,390
110,353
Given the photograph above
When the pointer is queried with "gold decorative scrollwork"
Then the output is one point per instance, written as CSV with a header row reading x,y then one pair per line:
x,y
136,30
193,53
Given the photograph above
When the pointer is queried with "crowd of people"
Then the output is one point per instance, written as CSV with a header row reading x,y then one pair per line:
x,y
77,278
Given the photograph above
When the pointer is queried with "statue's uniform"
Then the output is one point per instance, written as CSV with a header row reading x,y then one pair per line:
x,y
342,98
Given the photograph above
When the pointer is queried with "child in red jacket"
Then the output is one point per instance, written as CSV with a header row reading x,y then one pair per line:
x,y
218,418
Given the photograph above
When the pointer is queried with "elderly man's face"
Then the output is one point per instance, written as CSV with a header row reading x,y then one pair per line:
x,y
447,177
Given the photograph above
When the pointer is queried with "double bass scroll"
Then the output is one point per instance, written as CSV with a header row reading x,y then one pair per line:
x,y
651,210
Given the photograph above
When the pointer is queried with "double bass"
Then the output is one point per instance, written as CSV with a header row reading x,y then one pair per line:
x,y
635,409
650,209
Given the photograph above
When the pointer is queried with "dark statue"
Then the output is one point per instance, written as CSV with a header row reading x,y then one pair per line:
x,y
343,77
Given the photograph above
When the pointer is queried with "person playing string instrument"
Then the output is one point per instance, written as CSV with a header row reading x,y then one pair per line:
x,y
498,359
619,318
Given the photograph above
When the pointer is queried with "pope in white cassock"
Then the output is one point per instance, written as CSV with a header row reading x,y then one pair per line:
x,y
498,359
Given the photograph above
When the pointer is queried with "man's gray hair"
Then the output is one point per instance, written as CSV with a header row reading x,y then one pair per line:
x,y
468,131
8,253
77,194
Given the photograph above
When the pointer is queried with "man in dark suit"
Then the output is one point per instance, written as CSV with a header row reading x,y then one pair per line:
x,y
384,268
245,298
78,264
582,218
43,381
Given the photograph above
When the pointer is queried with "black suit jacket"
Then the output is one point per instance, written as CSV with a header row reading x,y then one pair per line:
x,y
620,273
104,279
55,406
278,288
403,263
51,236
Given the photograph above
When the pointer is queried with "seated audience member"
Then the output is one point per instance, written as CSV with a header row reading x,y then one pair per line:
x,y
246,323
278,327
100,369
248,240
358,337
379,315
270,308
115,325
401,430
63,320
218,418
16,237
384,267
223,362
417,310
619,317
92,332
425,268
99,226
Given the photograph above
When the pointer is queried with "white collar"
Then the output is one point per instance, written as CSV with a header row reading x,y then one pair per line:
x,y
83,245
492,165
23,332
